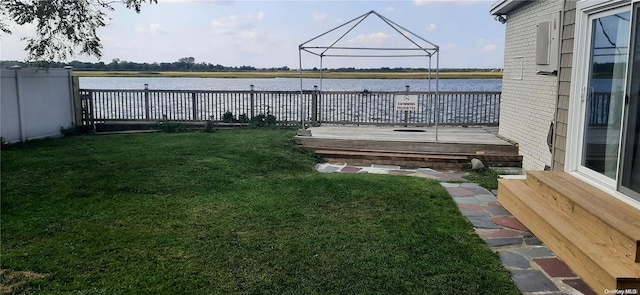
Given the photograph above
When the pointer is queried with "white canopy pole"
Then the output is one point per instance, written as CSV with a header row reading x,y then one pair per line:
x,y
302,103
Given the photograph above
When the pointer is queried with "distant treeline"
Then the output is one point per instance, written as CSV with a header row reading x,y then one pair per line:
x,y
188,64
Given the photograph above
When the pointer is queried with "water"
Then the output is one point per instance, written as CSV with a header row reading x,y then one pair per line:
x,y
291,84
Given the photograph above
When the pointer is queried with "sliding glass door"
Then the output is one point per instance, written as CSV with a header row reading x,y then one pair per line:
x,y
630,164
605,92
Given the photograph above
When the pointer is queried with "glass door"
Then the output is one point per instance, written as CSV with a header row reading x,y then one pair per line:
x,y
605,93
630,165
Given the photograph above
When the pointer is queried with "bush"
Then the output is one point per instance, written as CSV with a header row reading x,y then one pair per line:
x,y
228,117
262,120
244,118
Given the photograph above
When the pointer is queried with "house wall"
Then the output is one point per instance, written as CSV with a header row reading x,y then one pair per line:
x,y
34,104
564,84
528,100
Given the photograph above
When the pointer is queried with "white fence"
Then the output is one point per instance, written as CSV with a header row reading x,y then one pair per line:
x,y
35,103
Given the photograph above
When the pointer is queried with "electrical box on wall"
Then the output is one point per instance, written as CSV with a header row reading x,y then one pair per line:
x,y
548,44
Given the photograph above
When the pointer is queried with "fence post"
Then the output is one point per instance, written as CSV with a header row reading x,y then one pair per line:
x,y
92,122
252,102
194,106
314,106
146,101
77,100
406,113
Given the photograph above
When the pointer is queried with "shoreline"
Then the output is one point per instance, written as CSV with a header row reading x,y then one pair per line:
x,y
291,74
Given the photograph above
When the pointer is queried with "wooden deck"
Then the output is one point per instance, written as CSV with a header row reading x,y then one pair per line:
x,y
411,146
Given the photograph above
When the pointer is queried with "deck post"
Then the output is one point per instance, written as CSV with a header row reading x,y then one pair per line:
x,y
252,101
90,111
406,113
314,106
146,101
194,106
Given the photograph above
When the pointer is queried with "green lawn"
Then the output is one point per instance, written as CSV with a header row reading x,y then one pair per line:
x,y
237,211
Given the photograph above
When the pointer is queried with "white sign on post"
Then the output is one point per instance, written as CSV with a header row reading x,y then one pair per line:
x,y
406,102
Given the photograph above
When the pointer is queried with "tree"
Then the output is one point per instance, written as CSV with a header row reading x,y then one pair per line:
x,y
188,60
62,26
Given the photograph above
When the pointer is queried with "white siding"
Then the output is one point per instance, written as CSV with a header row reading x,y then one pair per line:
x,y
528,100
34,104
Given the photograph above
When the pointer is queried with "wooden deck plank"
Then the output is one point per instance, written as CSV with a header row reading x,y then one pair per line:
x,y
446,134
390,155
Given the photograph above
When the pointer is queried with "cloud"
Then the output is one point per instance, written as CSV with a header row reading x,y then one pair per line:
x,y
156,29
249,35
431,27
151,29
374,38
234,25
390,9
317,16
441,2
489,47
205,2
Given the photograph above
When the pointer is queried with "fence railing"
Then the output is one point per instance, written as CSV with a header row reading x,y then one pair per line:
x,y
599,104
289,107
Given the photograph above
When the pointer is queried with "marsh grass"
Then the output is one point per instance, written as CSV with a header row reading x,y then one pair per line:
x,y
229,212
294,74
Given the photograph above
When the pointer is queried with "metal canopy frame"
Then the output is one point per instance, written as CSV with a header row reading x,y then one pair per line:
x,y
341,51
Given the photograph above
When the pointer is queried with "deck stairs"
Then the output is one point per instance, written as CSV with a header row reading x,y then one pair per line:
x,y
596,234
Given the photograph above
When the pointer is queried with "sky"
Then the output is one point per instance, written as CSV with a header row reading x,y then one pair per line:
x,y
267,33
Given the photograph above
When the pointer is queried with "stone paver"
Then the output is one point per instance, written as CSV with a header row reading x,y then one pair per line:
x,y
350,169
535,252
555,267
486,198
482,222
514,260
533,281
510,222
466,200
497,233
504,242
580,285
460,192
497,211
535,269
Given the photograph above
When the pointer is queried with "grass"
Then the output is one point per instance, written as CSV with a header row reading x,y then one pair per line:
x,y
229,212
487,178
294,74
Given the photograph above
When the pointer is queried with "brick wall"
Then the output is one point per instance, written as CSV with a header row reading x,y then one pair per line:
x,y
528,100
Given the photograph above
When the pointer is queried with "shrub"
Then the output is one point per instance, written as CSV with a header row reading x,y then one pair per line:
x,y
228,117
262,120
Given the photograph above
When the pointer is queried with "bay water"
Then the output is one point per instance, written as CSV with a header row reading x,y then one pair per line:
x,y
291,84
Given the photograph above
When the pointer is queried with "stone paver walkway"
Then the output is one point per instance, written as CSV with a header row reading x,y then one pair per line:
x,y
535,269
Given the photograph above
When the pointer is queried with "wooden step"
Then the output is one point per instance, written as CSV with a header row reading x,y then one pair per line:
x,y
390,154
311,142
489,160
584,251
389,158
595,210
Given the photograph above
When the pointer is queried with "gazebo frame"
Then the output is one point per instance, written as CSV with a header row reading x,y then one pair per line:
x,y
330,51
